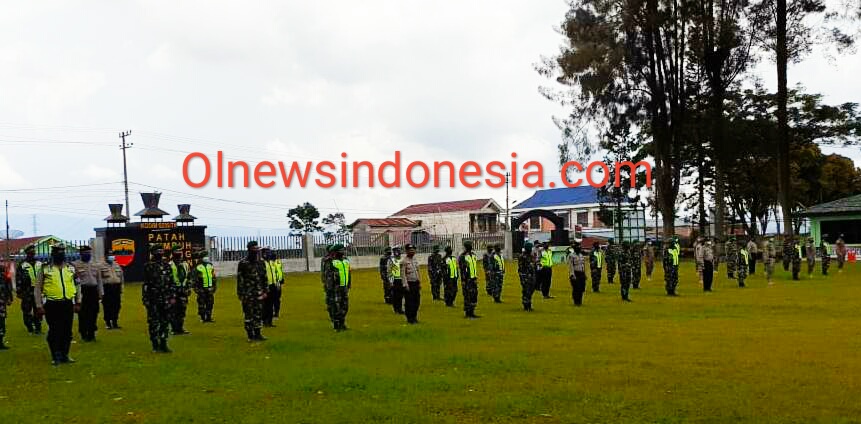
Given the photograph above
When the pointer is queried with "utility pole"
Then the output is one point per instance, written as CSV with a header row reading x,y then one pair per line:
x,y
507,175
7,230
123,147
35,227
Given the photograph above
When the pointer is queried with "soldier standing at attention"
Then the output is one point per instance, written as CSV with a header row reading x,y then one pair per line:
x,y
825,250
708,265
743,258
204,283
650,259
157,296
636,265
59,286
412,285
611,257
596,262
179,270
625,265
526,271
274,279
92,291
488,265
251,288
671,266
396,281
6,299
797,254
698,258
273,260
810,255
328,289
436,272
339,280
731,257
787,252
468,264
840,250
112,281
384,275
451,274
753,250
546,270
27,274
769,254
577,274
499,274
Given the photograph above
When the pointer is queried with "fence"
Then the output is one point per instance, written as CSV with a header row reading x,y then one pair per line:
x,y
366,244
235,248
43,251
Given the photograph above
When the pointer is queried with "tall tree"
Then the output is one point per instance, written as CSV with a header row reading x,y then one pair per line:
x,y
624,63
304,218
336,225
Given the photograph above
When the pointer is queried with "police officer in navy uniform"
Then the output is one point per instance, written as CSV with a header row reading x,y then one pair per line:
x,y
59,287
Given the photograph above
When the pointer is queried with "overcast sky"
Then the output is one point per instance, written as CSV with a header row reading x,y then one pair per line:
x,y
276,80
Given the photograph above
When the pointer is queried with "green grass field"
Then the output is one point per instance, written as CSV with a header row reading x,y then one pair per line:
x,y
786,353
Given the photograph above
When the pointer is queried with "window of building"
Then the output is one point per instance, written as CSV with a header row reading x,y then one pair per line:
x,y
535,223
566,219
583,219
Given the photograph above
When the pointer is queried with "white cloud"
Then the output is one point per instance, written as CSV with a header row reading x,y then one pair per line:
x,y
162,58
9,177
101,173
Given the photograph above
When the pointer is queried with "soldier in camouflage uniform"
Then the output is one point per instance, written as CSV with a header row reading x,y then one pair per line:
x,y
450,274
338,278
611,258
181,272
797,254
325,264
625,262
649,254
488,265
636,265
671,265
252,288
708,265
769,255
787,253
498,274
384,275
810,255
468,265
5,300
526,271
205,284
825,251
698,257
731,257
742,262
26,276
436,272
596,263
157,296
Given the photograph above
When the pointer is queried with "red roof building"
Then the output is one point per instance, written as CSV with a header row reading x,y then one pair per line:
x,y
460,216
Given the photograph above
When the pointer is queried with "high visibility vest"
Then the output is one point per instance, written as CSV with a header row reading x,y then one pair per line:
x,y
58,283
32,271
343,267
826,248
798,248
175,273
206,274
396,268
452,266
744,256
500,263
547,259
599,258
274,273
471,265
674,252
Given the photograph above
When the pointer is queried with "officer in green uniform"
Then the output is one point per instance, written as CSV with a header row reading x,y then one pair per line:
x,y
26,275
671,265
436,272
339,280
625,264
498,274
205,285
251,288
596,263
274,280
451,275
731,257
488,264
742,263
468,264
636,264
825,251
396,281
796,258
611,258
526,271
180,273
157,294
59,287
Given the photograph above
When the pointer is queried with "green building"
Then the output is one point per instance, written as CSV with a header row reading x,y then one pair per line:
x,y
842,216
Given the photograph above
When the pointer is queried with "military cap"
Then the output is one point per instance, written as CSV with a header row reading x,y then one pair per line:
x,y
155,247
176,247
527,246
467,243
397,248
252,244
85,248
267,248
435,248
448,249
59,246
388,249
30,248
337,247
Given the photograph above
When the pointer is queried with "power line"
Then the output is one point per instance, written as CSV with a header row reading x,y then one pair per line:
x,y
55,187
125,147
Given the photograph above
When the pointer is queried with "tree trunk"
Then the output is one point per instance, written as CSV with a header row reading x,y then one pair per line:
x,y
701,195
783,178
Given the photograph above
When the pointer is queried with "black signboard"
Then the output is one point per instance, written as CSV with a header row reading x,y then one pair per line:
x,y
130,245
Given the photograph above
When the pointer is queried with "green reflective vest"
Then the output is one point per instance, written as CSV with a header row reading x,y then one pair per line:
x,y
798,248
546,258
471,265
452,266
744,257
58,283
32,271
206,275
274,272
343,267
826,248
174,270
500,263
396,268
599,258
674,252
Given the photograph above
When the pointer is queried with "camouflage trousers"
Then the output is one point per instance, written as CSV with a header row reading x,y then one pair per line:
x,y
624,283
611,271
488,283
811,265
596,279
826,261
527,289
157,320
796,268
496,285
28,311
436,285
252,310
650,267
769,270
450,291
785,263
840,260
741,275
330,303
700,266
470,295
387,291
636,276
730,269
177,314
205,303
671,279
340,304
2,320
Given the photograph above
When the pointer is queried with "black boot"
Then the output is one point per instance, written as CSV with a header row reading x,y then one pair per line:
x,y
37,328
162,346
55,359
250,335
116,325
66,359
109,325
258,335
155,347
3,345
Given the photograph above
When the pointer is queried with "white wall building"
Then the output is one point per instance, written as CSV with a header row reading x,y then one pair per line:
x,y
458,217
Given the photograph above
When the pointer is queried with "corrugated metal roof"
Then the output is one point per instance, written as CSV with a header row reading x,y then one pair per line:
x,y
442,207
846,205
387,222
566,196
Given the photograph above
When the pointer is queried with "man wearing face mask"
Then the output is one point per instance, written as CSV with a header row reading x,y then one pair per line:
x,y
204,286
112,280
577,274
92,291
26,276
58,284
180,271
252,290
274,279
157,296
